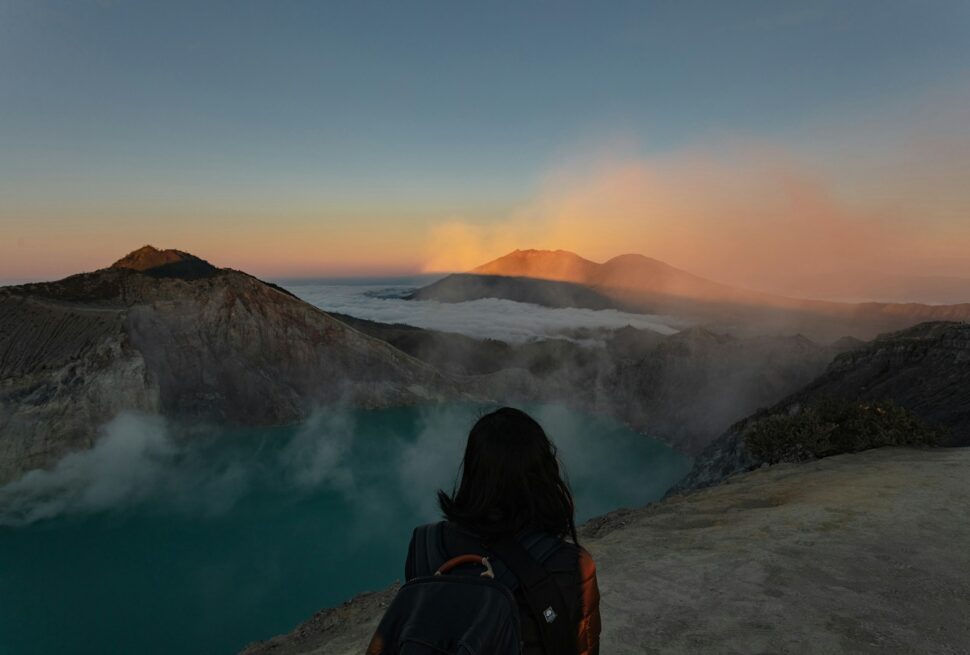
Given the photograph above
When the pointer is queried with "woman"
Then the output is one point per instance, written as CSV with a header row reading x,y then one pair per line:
x,y
511,487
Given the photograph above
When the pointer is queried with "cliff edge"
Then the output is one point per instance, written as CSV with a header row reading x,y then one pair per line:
x,y
860,553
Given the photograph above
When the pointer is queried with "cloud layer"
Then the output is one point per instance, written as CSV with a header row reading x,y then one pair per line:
x,y
487,318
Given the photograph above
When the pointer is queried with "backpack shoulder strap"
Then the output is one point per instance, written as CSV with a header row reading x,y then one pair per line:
x,y
541,545
429,552
542,593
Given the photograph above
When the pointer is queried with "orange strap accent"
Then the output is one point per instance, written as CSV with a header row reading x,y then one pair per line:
x,y
462,559
458,561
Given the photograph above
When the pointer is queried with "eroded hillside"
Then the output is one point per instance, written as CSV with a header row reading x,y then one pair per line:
x,y
166,332
685,388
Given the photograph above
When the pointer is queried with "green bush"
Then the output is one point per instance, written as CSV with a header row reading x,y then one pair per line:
x,y
831,427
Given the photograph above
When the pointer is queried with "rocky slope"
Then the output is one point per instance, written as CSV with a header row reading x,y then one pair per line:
x,y
925,369
163,331
862,553
686,388
643,284
693,384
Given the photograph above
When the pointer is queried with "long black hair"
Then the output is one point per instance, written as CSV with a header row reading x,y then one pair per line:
x,y
510,480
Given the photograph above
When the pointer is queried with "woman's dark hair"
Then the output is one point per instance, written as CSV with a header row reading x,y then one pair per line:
x,y
510,480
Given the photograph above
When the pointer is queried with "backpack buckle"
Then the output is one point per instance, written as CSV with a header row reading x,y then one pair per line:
x,y
488,572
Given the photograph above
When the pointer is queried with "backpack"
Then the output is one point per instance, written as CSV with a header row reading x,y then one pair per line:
x,y
465,605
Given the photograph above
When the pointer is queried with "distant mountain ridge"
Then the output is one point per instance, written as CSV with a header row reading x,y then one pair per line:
x,y
550,293
645,285
629,272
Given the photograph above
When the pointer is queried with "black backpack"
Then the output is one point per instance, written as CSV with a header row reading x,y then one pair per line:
x,y
465,605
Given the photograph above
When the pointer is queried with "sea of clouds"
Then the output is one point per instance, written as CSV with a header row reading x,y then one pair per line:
x,y
488,318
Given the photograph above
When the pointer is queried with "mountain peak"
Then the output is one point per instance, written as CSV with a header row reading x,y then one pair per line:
x,y
632,258
628,272
561,265
165,263
538,254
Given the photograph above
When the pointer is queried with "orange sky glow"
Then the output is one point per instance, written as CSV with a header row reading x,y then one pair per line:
x,y
742,211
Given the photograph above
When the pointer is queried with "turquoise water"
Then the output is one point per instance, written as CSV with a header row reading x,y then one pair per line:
x,y
145,545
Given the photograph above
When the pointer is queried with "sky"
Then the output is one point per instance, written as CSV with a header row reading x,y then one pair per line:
x,y
746,141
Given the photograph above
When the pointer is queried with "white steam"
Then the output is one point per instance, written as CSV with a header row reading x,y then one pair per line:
x,y
316,454
430,462
140,458
125,465
371,465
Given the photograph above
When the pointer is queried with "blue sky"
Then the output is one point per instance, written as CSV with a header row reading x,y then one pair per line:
x,y
126,114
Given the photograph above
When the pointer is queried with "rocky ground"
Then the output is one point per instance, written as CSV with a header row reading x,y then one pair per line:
x,y
861,553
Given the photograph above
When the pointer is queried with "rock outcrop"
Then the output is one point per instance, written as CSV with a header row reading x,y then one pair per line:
x,y
925,369
692,385
862,553
163,331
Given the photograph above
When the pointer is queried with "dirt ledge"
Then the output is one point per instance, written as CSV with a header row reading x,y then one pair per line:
x,y
862,553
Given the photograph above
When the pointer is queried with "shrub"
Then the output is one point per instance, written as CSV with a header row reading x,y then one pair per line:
x,y
831,427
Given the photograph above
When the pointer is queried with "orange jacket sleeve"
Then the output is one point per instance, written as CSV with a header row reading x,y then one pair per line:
x,y
588,639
